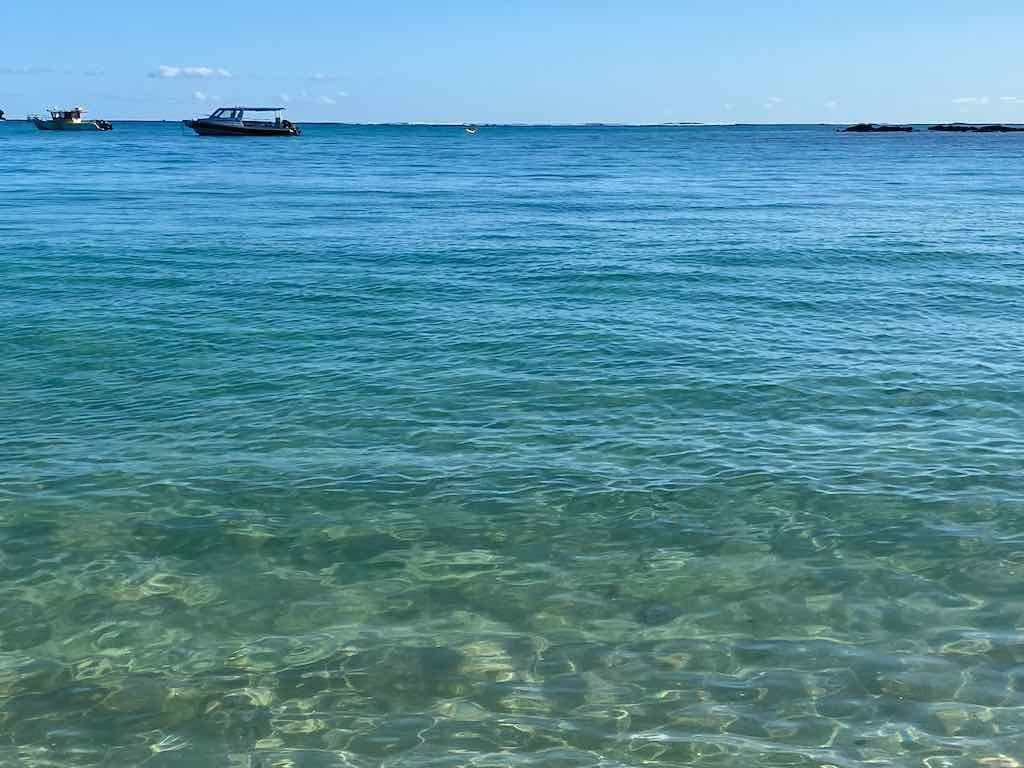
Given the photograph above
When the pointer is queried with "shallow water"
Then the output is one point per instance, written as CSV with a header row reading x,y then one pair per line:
x,y
548,446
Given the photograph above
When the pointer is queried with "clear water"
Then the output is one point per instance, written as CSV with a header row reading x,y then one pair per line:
x,y
550,446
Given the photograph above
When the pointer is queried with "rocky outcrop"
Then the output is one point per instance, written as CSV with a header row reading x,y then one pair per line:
x,y
969,128
873,128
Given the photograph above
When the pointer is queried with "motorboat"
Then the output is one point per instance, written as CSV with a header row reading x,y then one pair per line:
x,y
471,130
231,121
69,120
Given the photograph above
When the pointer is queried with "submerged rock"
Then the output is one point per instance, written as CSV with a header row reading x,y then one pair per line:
x,y
22,625
402,677
355,551
874,128
656,614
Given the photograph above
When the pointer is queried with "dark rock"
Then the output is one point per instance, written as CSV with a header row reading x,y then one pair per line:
x,y
90,610
352,550
574,657
656,614
999,129
873,128
185,537
236,720
566,691
400,677
358,549
140,696
30,535
392,736
968,128
36,676
22,625
67,703
24,545
310,679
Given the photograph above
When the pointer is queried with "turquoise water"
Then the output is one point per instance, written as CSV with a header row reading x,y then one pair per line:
x,y
563,447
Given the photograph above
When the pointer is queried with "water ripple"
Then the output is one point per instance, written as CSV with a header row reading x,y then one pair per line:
x,y
573,447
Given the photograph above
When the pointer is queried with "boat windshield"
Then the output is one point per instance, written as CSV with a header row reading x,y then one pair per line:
x,y
227,114
239,114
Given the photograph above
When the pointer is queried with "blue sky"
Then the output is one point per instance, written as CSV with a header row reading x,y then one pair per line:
x,y
530,61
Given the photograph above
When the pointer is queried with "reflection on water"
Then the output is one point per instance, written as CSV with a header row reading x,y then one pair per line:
x,y
637,637
611,468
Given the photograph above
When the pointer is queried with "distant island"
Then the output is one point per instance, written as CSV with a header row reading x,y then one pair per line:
x,y
968,128
942,128
873,128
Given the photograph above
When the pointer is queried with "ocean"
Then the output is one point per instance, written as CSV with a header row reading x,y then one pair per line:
x,y
556,446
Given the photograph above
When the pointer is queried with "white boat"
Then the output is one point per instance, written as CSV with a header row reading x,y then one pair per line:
x,y
69,120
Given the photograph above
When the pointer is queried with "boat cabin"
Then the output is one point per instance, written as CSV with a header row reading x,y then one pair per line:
x,y
67,115
238,115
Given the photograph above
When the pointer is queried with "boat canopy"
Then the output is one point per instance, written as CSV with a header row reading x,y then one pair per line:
x,y
238,113
75,113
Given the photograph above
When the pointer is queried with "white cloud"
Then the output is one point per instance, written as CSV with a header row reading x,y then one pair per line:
x,y
28,70
773,101
199,96
343,94
728,107
971,100
1011,99
305,97
831,104
321,77
166,72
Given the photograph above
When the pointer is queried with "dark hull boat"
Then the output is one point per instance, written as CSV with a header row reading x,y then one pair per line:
x,y
209,128
230,121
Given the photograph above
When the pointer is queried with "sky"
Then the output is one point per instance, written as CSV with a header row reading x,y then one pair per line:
x,y
532,61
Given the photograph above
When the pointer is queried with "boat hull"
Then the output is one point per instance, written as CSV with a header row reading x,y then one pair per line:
x,y
211,128
60,125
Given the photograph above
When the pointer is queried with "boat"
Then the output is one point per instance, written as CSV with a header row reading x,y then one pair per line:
x,y
230,121
471,130
2,115
69,120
